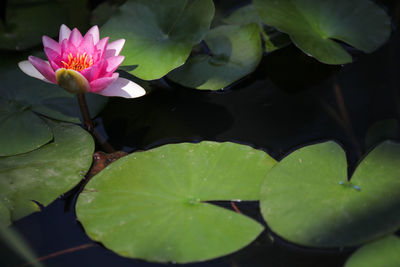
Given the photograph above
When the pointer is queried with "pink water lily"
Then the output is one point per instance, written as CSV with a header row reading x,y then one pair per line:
x,y
82,64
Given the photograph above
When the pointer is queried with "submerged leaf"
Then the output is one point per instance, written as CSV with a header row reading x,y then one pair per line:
x,y
153,205
235,51
273,39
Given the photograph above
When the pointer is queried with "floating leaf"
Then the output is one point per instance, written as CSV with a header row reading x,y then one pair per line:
x,y
307,199
384,252
153,205
21,130
44,174
235,52
159,34
315,25
273,39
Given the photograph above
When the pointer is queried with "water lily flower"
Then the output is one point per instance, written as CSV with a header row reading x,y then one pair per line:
x,y
82,64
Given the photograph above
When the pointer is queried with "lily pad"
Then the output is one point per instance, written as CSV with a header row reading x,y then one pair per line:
x,y
314,26
273,39
235,51
307,199
384,252
152,205
21,130
44,174
159,34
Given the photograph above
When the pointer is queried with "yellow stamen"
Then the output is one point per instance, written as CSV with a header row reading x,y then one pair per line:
x,y
78,63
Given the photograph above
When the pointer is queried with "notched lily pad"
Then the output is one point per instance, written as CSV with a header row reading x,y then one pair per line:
x,y
44,174
152,205
315,25
307,199
159,34
384,252
235,51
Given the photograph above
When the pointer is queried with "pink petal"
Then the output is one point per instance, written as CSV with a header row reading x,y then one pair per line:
x,y
94,31
55,66
30,70
50,43
87,45
75,38
123,88
101,47
113,63
100,84
114,48
65,32
43,67
52,55
94,72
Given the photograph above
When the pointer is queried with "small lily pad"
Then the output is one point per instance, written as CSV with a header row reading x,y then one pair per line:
x,y
384,252
307,199
273,39
152,205
235,51
159,34
314,25
44,174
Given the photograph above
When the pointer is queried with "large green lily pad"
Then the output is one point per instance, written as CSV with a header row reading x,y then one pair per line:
x,y
44,174
235,51
273,39
153,205
307,199
159,34
384,252
314,25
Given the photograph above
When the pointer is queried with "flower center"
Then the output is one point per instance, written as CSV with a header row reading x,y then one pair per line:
x,y
78,63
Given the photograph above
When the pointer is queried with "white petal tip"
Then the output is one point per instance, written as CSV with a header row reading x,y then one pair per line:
x,y
30,70
123,88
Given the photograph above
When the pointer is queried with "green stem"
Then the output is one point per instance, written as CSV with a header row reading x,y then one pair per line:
x,y
90,125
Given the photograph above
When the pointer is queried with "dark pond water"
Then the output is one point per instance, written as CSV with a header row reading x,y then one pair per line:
x,y
290,101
